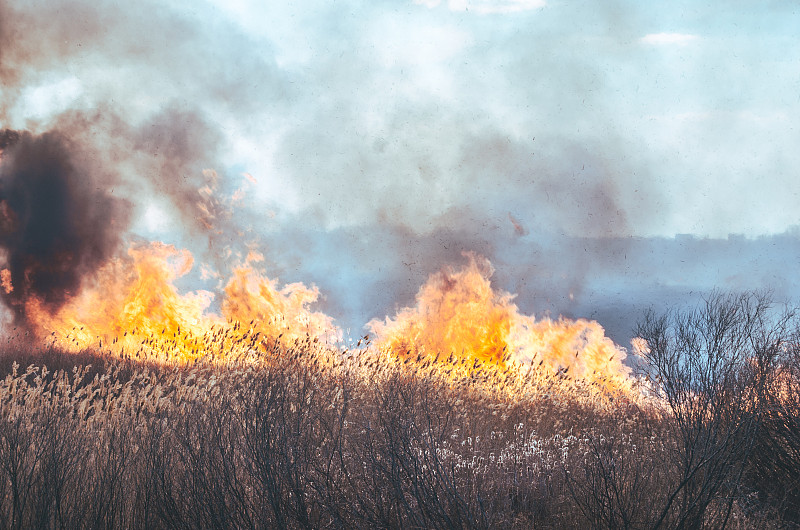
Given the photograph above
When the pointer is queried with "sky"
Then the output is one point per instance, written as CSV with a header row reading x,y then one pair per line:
x,y
606,157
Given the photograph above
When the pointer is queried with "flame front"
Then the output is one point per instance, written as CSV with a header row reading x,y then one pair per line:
x,y
132,304
458,313
251,297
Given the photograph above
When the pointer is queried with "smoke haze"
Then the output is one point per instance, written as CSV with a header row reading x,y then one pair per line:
x,y
362,146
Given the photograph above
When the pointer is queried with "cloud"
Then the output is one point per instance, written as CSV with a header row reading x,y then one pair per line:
x,y
486,7
426,45
430,4
677,39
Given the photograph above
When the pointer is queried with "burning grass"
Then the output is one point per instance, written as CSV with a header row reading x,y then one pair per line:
x,y
132,307
459,313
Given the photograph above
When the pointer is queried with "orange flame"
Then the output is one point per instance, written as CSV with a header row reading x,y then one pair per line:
x,y
458,313
132,304
254,298
5,281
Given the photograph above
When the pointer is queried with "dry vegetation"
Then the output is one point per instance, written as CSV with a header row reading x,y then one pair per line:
x,y
298,436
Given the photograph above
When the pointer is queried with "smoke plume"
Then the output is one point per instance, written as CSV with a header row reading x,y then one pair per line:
x,y
57,221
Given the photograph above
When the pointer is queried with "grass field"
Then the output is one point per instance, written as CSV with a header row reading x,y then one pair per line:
x,y
300,435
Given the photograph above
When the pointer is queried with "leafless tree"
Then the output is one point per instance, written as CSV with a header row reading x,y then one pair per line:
x,y
708,365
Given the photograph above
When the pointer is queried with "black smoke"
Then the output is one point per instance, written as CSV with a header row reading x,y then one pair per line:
x,y
58,220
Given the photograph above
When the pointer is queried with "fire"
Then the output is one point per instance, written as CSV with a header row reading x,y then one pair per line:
x,y
250,297
5,281
61,275
133,305
458,313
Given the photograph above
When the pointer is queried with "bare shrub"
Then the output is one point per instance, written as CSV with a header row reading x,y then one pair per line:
x,y
709,366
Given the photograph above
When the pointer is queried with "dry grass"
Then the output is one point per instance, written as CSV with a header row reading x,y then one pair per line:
x,y
300,436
